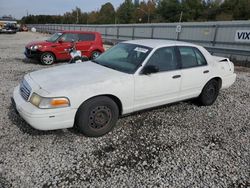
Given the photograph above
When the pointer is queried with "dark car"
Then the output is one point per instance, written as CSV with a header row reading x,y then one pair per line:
x,y
9,28
55,48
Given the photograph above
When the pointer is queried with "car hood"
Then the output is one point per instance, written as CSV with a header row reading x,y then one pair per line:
x,y
42,43
66,77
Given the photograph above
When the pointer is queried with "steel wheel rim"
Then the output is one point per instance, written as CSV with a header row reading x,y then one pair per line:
x,y
211,92
100,117
48,59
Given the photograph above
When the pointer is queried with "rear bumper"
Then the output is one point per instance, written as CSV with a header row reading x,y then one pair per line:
x,y
43,119
228,81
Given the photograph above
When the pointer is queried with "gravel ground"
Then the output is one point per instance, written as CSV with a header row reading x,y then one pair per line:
x,y
178,145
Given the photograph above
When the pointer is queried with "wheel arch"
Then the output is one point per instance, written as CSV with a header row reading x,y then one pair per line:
x,y
48,51
96,50
111,96
218,79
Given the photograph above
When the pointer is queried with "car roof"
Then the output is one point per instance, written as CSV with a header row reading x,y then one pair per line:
x,y
90,32
156,43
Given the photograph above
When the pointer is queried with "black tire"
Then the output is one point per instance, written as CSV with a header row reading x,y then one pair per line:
x,y
209,93
97,116
47,58
95,54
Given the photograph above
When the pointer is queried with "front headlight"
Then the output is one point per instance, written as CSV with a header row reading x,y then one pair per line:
x,y
49,102
35,47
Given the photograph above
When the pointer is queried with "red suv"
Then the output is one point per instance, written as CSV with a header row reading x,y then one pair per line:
x,y
55,48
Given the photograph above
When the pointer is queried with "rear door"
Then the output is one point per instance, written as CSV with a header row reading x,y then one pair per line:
x,y
65,43
161,87
195,71
86,40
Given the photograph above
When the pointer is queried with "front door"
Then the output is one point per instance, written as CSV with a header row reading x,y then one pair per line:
x,y
161,87
65,42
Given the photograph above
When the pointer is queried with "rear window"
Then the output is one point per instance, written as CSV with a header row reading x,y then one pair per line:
x,y
86,37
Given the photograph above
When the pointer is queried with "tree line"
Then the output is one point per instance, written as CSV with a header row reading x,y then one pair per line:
x,y
151,11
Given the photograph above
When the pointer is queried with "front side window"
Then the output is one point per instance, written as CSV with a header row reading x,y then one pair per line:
x,y
191,57
86,37
69,37
164,59
124,57
54,37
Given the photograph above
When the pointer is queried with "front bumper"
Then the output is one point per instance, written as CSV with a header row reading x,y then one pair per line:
x,y
32,54
43,119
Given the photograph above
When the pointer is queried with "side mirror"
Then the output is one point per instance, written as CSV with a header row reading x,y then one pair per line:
x,y
149,69
60,41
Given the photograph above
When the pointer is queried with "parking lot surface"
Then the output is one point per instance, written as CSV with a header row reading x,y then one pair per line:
x,y
177,145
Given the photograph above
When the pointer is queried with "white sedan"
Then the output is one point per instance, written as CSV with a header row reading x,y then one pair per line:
x,y
129,77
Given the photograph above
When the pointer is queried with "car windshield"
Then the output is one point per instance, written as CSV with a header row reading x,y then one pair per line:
x,y
54,37
124,57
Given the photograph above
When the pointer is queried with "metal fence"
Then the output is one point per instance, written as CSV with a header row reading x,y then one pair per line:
x,y
217,37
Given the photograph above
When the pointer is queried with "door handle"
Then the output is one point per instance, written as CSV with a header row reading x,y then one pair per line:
x,y
206,71
176,76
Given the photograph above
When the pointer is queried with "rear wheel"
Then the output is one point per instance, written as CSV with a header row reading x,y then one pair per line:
x,y
97,116
209,93
47,58
95,54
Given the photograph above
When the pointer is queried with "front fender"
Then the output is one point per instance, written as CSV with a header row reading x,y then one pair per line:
x,y
120,89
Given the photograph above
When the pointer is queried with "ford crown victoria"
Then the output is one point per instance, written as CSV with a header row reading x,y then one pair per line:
x,y
129,77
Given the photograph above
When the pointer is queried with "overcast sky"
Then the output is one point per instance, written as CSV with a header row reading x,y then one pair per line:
x,y
19,8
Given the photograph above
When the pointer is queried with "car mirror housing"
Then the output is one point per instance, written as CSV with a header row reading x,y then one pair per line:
x,y
149,69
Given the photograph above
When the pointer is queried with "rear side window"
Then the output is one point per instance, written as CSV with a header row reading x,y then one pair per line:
x,y
86,37
191,57
200,58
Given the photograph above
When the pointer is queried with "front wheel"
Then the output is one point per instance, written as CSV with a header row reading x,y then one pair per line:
x,y
95,54
97,116
209,93
47,58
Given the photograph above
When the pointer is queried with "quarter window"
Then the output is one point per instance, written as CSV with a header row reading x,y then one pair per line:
x,y
191,57
164,59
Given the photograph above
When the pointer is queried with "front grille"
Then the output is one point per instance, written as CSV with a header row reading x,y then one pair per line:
x,y
27,50
25,90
